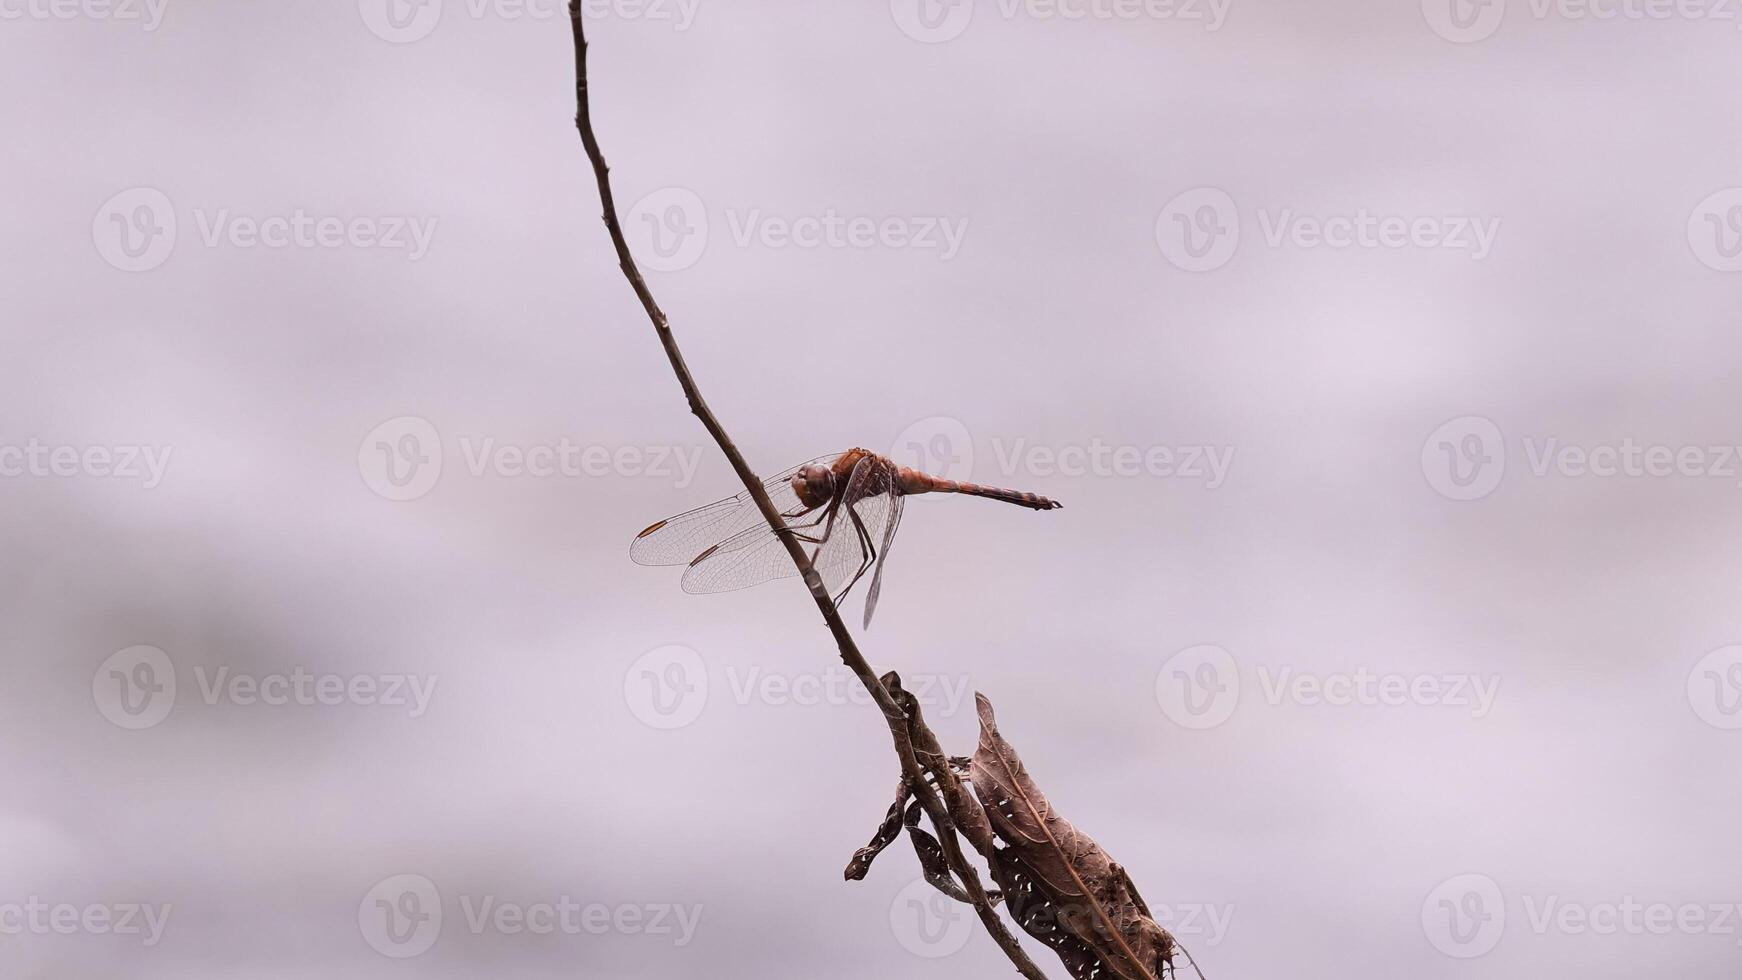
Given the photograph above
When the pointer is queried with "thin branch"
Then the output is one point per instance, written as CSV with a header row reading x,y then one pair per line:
x,y
850,655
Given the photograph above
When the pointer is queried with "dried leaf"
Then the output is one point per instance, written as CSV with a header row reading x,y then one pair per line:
x,y
886,833
940,772
1061,887
931,857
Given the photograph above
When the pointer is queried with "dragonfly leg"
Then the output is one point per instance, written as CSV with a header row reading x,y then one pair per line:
x,y
794,515
793,528
828,529
866,548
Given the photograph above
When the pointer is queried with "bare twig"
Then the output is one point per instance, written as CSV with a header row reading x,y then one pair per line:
x,y
850,655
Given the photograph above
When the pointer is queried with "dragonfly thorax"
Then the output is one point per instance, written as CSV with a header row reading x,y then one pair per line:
x,y
814,485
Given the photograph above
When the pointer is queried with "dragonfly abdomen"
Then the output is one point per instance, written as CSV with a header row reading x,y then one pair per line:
x,y
913,481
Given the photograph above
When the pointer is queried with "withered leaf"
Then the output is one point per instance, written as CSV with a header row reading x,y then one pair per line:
x,y
944,776
931,858
886,833
1062,888
941,771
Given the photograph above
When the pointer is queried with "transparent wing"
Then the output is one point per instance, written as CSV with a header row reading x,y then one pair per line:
x,y
897,501
756,555
678,540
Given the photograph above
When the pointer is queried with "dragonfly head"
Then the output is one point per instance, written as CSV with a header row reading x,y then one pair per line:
x,y
814,485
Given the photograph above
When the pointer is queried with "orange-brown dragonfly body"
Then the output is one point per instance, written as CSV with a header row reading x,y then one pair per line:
x,y
846,507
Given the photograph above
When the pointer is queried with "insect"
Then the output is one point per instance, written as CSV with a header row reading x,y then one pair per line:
x,y
843,508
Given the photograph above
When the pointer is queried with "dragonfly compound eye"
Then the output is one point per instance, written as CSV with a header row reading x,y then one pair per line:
x,y
813,485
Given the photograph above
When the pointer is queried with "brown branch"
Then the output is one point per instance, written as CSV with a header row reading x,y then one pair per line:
x,y
892,713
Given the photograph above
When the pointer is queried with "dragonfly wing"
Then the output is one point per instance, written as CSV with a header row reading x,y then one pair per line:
x,y
756,554
678,540
750,557
897,501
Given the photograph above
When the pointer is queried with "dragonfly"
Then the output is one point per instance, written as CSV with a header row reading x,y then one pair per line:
x,y
843,508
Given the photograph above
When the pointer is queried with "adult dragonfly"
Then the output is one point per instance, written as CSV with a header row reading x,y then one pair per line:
x,y
844,508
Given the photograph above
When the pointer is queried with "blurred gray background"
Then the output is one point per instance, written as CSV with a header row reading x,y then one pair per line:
x,y
323,390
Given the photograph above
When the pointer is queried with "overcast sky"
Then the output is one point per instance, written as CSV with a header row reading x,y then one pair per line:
x,y
1383,354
